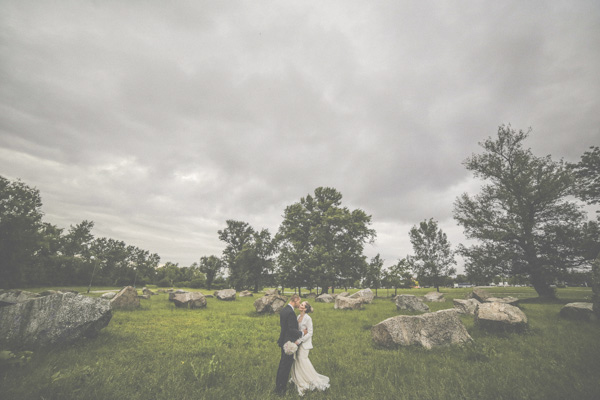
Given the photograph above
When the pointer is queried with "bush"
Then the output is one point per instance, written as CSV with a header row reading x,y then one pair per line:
x,y
182,284
164,283
197,283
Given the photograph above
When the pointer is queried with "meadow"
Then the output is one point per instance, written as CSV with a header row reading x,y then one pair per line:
x,y
228,351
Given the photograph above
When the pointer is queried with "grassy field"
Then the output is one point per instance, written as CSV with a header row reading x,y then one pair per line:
x,y
227,351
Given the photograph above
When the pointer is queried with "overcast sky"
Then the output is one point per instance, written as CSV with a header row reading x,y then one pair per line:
x,y
161,120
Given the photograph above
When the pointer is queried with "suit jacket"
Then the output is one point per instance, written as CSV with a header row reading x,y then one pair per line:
x,y
289,326
307,338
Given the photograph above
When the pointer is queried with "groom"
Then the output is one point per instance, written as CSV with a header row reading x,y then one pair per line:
x,y
291,333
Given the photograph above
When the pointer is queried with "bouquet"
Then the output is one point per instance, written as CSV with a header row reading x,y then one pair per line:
x,y
290,348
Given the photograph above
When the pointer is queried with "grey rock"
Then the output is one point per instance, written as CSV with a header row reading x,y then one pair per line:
x,y
500,316
310,296
190,300
365,295
49,292
411,303
270,304
347,303
148,292
175,292
144,296
507,300
479,295
126,299
108,296
225,294
441,328
435,297
271,292
343,294
467,306
10,297
325,298
578,311
246,293
53,319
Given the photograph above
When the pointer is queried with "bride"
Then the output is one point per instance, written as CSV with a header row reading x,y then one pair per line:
x,y
303,373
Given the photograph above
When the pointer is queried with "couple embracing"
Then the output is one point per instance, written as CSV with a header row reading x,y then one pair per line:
x,y
297,330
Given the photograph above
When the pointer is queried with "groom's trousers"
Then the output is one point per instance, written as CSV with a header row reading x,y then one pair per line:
x,y
283,372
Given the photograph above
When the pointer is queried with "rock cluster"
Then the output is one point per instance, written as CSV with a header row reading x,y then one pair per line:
x,y
270,303
347,303
126,299
189,300
466,306
500,317
246,293
325,298
225,294
365,295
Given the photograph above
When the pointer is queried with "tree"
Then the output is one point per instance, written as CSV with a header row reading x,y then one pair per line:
x,y
321,243
587,174
399,275
374,275
211,266
433,258
20,231
522,214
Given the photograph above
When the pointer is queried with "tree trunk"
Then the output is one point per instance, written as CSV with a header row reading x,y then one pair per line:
x,y
541,286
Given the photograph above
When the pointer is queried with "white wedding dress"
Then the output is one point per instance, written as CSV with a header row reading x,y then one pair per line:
x,y
303,374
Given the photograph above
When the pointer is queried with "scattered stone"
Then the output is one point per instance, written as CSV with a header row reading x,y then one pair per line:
x,y
500,317
148,292
325,298
507,300
10,297
126,299
144,296
270,292
190,300
162,291
435,297
225,294
173,293
53,319
270,304
479,294
466,306
246,293
108,296
209,296
347,303
411,303
578,311
365,295
441,328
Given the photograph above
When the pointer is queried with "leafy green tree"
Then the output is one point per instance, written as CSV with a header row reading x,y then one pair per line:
x,y
433,258
211,266
399,275
374,276
20,236
522,213
321,243
587,174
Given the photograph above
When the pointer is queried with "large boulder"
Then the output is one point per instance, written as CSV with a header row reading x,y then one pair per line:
x,y
246,293
411,303
343,294
435,297
580,311
126,299
54,319
108,295
270,304
190,300
10,297
508,300
325,298
347,303
441,328
225,294
500,317
479,294
467,306
365,295
173,293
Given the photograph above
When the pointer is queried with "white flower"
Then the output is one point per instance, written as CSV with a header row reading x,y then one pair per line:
x,y
290,348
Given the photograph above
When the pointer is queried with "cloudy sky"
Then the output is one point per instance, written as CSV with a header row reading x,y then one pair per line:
x,y
161,120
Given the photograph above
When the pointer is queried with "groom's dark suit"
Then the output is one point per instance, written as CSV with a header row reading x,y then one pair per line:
x,y
289,332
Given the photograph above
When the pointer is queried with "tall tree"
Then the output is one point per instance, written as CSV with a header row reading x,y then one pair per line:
x,y
20,236
321,243
211,266
587,173
374,275
433,258
399,275
522,212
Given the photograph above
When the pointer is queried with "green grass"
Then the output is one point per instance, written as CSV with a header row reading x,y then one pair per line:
x,y
227,351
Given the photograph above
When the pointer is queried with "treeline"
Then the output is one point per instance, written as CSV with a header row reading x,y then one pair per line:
x,y
526,222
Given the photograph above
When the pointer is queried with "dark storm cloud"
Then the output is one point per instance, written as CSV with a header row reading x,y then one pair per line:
x,y
159,122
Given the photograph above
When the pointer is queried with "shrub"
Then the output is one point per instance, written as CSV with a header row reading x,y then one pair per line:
x,y
197,283
163,283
